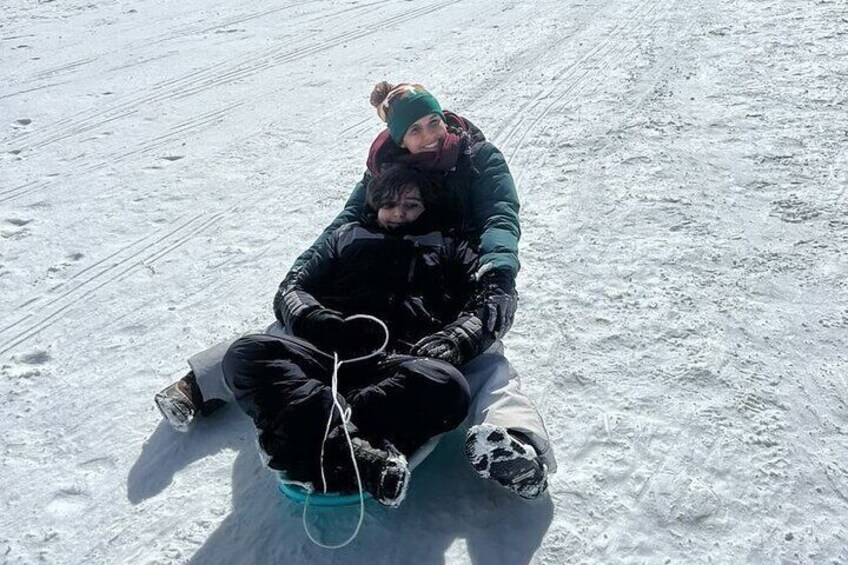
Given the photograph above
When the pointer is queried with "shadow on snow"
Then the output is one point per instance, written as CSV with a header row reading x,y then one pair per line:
x,y
446,502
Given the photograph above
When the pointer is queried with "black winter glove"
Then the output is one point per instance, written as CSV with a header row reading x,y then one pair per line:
x,y
323,328
500,301
329,332
440,345
457,344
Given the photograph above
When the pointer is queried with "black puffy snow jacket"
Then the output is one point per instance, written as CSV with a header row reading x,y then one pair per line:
x,y
418,282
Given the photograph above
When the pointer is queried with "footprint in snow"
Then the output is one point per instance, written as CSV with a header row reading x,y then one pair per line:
x,y
18,222
14,228
98,465
38,357
70,259
793,210
68,502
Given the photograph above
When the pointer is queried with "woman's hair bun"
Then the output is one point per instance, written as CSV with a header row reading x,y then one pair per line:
x,y
381,90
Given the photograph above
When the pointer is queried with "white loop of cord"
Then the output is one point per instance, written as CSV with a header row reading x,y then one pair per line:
x,y
345,415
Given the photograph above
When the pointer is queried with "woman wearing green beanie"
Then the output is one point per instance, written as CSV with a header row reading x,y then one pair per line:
x,y
507,440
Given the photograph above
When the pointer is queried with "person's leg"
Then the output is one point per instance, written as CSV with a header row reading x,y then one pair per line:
x,y
507,440
497,400
208,371
281,383
202,390
412,400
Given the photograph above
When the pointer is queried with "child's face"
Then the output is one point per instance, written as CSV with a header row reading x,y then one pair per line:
x,y
406,210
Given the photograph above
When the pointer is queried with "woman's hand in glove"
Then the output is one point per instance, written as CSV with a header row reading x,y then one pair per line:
x,y
499,302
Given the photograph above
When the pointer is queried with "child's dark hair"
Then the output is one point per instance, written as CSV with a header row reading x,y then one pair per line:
x,y
393,181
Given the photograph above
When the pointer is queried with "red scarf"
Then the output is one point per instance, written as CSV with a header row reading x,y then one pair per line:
x,y
442,160
384,151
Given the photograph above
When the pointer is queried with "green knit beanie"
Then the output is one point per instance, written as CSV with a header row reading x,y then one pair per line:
x,y
406,108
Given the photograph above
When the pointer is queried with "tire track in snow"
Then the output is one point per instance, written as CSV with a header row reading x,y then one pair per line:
x,y
48,72
662,68
33,89
271,59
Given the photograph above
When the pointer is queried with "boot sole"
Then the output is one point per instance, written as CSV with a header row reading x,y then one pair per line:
x,y
495,455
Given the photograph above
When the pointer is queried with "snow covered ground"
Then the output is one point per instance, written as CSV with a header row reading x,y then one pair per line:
x,y
682,165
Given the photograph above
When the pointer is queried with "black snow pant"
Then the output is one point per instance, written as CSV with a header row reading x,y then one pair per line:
x,y
284,385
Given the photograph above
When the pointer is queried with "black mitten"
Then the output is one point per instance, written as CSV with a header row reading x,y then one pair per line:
x,y
500,300
323,328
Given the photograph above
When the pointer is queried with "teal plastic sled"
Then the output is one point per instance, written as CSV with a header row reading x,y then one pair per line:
x,y
296,491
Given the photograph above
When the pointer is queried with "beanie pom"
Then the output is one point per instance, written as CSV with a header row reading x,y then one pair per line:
x,y
380,92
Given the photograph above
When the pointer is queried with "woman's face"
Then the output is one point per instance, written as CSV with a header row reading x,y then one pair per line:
x,y
406,210
425,135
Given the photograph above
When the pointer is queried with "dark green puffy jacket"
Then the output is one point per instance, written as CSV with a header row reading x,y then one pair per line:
x,y
479,192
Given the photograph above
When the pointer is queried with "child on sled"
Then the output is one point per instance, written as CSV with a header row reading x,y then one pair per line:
x,y
393,265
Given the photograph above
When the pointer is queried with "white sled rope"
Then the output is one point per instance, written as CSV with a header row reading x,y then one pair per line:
x,y
346,416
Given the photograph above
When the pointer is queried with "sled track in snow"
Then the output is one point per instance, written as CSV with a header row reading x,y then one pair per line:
x,y
574,77
514,124
475,93
194,29
41,75
33,89
180,131
171,35
9,194
211,77
135,256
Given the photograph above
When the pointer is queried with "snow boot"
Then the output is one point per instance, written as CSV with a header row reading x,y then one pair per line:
x,y
180,403
507,459
384,470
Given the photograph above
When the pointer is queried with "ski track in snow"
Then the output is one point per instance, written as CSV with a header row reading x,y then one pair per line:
x,y
683,321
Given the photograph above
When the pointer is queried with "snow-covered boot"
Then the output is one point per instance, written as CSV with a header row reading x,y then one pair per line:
x,y
384,470
182,401
178,402
507,459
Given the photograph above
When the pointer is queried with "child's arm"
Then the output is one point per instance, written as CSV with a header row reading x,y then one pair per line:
x,y
294,300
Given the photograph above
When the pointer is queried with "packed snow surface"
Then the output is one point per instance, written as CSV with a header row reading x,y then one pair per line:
x,y
683,325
